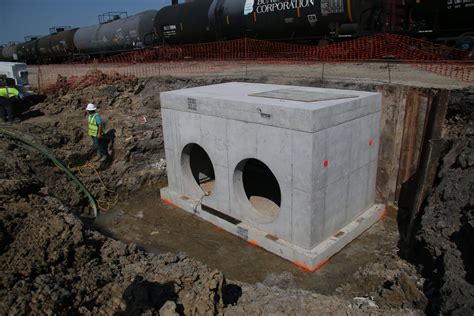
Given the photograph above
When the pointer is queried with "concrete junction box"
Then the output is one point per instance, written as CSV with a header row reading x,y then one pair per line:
x,y
291,169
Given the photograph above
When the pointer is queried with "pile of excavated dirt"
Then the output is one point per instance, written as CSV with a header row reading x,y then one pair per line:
x,y
52,261
444,240
92,78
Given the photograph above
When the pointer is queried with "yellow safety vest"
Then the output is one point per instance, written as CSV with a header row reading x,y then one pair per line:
x,y
93,127
9,93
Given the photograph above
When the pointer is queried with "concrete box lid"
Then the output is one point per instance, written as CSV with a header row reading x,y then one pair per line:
x,y
304,109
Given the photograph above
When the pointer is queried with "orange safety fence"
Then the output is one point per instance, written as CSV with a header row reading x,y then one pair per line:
x,y
373,47
218,56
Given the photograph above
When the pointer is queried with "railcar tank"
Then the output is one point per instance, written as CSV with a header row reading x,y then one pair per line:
x,y
57,45
441,17
293,19
185,23
28,51
133,32
10,52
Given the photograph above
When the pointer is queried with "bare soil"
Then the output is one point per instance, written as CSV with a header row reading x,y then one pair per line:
x,y
444,240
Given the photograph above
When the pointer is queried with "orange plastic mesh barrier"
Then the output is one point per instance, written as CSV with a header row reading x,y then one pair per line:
x,y
426,55
373,47
222,57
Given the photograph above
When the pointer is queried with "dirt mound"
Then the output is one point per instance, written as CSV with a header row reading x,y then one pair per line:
x,y
52,264
445,236
446,233
92,78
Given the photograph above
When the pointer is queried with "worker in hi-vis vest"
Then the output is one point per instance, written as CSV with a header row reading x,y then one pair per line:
x,y
8,96
95,127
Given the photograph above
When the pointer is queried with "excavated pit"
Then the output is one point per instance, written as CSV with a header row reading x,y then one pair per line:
x,y
125,262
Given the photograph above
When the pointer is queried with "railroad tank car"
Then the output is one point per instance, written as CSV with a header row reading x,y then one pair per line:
x,y
28,51
133,32
267,19
57,45
10,52
293,19
441,17
184,23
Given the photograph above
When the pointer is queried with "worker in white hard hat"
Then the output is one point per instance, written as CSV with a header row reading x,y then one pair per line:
x,y
95,125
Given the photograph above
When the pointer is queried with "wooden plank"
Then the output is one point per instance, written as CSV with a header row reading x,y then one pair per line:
x,y
391,131
417,109
430,157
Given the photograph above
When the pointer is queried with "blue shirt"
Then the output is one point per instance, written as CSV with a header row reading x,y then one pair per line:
x,y
98,119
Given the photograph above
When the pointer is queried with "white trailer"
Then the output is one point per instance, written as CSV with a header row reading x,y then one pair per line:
x,y
19,73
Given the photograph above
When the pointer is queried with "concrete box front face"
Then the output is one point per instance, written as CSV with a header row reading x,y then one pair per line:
x,y
321,145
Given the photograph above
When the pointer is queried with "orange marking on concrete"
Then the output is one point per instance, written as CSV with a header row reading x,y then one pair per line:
x,y
252,243
383,214
302,266
321,264
305,267
168,201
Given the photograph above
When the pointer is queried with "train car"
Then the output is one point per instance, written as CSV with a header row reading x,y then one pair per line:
x,y
28,51
212,20
57,46
133,32
185,23
295,19
441,17
448,21
10,52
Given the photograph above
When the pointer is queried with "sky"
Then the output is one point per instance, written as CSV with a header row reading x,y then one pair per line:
x,y
19,18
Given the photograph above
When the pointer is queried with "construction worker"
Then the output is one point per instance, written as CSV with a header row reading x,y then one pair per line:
x,y
8,95
95,126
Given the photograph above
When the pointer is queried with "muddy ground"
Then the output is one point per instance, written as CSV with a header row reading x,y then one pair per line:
x,y
54,259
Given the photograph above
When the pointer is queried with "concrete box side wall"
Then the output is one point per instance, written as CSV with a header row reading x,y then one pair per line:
x,y
344,172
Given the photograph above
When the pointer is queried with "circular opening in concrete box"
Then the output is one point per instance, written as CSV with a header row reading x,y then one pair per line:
x,y
257,185
196,163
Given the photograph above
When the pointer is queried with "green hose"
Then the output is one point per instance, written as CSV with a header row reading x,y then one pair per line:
x,y
46,153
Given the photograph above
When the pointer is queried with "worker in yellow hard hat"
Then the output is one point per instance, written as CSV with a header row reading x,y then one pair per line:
x,y
8,96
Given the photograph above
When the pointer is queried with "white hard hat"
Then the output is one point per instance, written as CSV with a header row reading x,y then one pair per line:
x,y
91,107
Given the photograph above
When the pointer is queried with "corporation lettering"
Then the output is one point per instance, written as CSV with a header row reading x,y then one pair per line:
x,y
265,6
